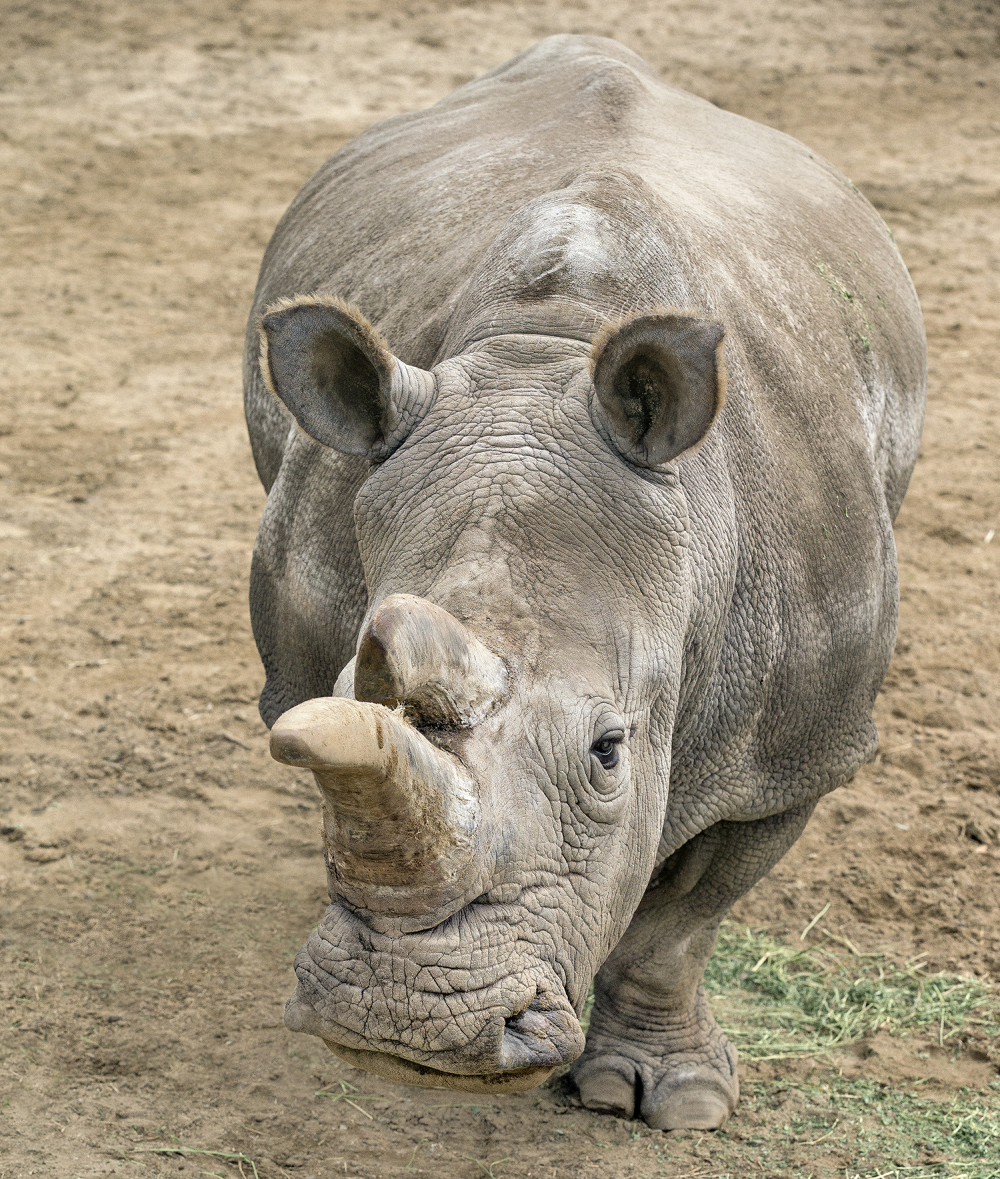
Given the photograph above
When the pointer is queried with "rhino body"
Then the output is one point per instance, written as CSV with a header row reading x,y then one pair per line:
x,y
576,581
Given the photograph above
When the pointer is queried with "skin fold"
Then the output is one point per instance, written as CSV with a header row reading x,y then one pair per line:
x,y
631,388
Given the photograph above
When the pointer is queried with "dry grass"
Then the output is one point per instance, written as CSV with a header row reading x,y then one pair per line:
x,y
777,1001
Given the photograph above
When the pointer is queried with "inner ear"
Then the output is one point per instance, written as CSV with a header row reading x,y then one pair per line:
x,y
345,377
660,383
344,387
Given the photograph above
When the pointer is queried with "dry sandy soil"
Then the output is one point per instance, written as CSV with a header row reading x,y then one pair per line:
x,y
159,871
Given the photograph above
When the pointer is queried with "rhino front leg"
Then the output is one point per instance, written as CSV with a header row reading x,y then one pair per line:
x,y
653,1047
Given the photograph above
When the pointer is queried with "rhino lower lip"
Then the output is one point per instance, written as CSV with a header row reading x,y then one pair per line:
x,y
397,1068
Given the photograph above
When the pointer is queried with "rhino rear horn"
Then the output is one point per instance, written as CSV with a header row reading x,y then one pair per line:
x,y
660,384
415,653
344,387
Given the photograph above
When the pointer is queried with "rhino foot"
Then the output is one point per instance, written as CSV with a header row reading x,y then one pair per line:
x,y
686,1099
695,1088
701,1101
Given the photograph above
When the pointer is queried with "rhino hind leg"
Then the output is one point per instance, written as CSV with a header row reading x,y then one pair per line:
x,y
654,1049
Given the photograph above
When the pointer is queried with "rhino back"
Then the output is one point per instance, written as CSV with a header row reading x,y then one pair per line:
x,y
757,229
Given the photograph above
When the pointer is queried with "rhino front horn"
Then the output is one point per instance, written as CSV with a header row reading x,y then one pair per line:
x,y
400,815
416,653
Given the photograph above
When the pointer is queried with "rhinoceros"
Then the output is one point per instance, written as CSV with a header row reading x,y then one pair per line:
x,y
585,409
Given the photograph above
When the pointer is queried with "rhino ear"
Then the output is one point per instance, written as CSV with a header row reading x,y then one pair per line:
x,y
344,387
660,383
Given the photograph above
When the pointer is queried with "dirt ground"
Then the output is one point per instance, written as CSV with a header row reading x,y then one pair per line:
x,y
159,871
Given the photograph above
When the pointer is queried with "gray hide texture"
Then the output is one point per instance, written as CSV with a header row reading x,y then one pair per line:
x,y
726,614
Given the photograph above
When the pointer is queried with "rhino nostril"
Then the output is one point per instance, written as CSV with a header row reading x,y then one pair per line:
x,y
529,1022
535,1036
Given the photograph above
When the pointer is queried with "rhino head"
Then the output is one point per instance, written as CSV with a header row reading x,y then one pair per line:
x,y
494,761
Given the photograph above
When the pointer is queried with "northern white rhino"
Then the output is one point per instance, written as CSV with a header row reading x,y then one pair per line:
x,y
576,580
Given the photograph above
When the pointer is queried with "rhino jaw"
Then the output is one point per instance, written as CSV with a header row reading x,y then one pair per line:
x,y
407,1072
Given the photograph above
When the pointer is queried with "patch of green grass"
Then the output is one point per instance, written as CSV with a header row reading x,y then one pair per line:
x,y
780,1001
830,1125
931,1171
890,1131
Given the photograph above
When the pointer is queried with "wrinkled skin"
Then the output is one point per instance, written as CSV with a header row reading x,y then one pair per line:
x,y
726,615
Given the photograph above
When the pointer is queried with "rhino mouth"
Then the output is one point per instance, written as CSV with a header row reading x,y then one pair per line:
x,y
436,1010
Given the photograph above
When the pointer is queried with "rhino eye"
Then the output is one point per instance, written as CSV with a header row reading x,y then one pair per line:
x,y
606,750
